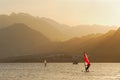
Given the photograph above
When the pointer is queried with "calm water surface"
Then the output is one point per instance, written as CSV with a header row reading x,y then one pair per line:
x,y
59,71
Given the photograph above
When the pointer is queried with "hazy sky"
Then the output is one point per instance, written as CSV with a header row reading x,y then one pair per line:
x,y
71,12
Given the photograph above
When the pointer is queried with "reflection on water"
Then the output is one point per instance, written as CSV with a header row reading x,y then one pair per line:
x,y
59,71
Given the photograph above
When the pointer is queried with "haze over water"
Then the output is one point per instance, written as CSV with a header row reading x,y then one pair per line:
x,y
59,71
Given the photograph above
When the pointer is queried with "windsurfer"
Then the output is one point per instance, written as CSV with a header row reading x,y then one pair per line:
x,y
87,67
45,62
87,62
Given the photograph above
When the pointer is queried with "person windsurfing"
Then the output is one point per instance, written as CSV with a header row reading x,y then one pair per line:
x,y
45,62
86,62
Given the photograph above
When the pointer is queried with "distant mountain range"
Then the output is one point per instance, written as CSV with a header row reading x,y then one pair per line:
x,y
100,47
19,40
52,29
24,38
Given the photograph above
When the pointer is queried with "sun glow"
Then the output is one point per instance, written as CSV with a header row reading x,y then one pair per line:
x,y
71,12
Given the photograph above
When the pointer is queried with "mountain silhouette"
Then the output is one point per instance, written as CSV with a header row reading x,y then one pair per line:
x,y
36,23
108,49
25,38
19,40
50,28
100,47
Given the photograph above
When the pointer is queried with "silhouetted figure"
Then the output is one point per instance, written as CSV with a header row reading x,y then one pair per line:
x,y
87,67
45,62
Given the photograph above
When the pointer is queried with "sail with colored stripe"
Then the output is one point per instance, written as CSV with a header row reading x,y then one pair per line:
x,y
87,62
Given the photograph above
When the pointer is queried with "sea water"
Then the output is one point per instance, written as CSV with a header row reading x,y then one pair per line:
x,y
59,71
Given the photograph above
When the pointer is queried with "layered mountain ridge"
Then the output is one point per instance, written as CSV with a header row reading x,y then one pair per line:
x,y
50,28
24,38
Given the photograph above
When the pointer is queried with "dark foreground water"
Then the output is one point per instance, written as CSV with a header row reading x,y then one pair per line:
x,y
59,71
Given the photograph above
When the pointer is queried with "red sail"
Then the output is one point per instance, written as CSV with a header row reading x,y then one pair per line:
x,y
87,62
86,59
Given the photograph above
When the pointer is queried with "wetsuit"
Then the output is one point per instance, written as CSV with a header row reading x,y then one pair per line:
x,y
88,65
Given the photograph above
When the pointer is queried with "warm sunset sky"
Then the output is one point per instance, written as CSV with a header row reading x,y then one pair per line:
x,y
71,12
